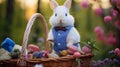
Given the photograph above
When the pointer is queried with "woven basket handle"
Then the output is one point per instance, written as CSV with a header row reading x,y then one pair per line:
x,y
22,61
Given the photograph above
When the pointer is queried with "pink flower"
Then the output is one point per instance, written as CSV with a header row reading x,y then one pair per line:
x,y
84,4
117,23
118,2
114,13
107,18
86,49
117,51
98,30
110,39
98,11
113,1
118,54
99,33
100,37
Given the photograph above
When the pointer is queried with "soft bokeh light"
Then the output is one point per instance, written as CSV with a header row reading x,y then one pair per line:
x,y
46,1
30,3
95,5
77,0
30,6
105,4
1,1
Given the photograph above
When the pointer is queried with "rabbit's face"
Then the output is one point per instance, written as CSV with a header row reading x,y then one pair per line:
x,y
61,17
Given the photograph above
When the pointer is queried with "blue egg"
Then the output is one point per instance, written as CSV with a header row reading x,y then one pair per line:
x,y
36,54
40,55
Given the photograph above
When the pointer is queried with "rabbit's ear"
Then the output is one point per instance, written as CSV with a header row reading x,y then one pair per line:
x,y
53,4
68,3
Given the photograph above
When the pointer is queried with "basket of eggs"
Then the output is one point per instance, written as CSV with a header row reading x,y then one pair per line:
x,y
66,50
47,57
18,56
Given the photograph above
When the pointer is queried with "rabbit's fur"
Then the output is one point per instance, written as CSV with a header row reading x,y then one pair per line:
x,y
62,18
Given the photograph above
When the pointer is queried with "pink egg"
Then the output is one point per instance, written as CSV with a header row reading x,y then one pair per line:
x,y
86,49
29,56
73,48
33,48
77,54
70,52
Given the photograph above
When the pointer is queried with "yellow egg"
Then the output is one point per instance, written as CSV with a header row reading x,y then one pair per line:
x,y
64,53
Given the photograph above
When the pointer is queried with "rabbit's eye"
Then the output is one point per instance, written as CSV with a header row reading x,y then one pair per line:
x,y
55,14
65,14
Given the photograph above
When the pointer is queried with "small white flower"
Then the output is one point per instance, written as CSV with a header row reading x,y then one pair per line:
x,y
38,65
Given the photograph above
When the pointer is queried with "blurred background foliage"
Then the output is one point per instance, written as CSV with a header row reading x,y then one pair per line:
x,y
14,15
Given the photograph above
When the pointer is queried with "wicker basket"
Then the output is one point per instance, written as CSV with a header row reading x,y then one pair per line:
x,y
68,61
9,63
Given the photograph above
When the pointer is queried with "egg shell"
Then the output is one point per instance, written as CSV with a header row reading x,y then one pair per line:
x,y
64,52
35,54
33,48
77,54
40,55
70,52
29,56
73,48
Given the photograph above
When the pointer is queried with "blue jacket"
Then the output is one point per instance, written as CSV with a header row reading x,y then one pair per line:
x,y
60,39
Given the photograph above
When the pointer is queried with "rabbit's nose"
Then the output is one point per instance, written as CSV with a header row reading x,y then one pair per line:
x,y
60,20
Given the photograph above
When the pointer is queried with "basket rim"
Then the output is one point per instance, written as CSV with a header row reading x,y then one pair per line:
x,y
65,58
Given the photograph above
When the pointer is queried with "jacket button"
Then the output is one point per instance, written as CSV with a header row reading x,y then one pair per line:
x,y
59,34
59,44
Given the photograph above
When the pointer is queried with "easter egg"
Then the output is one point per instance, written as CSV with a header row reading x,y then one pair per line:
x,y
73,48
64,53
33,48
40,55
35,54
86,49
77,54
53,55
29,56
70,52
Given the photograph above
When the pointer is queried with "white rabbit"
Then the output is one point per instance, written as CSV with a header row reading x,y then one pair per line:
x,y
62,18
